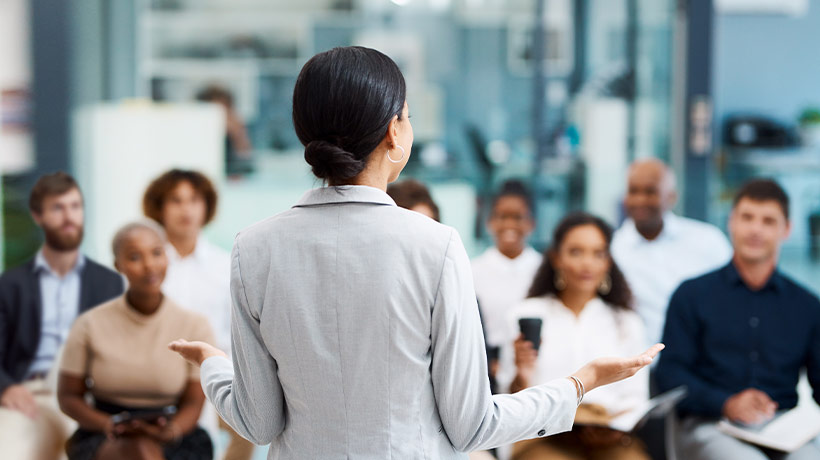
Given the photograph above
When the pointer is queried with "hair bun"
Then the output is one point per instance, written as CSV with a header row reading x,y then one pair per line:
x,y
331,162
343,103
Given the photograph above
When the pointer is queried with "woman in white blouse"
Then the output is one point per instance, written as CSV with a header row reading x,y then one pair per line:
x,y
583,301
198,278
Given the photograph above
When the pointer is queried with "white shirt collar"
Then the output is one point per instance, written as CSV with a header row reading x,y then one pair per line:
x,y
40,263
671,229
522,258
592,307
199,254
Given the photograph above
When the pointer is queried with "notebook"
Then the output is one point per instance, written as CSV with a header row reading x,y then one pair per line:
x,y
787,432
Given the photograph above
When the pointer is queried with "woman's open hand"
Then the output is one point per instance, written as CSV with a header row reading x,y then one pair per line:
x,y
195,352
604,371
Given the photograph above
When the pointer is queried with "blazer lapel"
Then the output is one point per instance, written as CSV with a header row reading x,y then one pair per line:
x,y
86,285
35,307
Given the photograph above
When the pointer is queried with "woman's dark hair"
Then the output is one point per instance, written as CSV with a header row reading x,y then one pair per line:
x,y
409,193
619,295
160,188
514,188
343,103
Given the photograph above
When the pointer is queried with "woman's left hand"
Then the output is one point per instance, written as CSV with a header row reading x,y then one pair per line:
x,y
195,352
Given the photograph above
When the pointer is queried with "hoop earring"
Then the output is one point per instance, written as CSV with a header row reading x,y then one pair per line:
x,y
606,285
400,159
559,281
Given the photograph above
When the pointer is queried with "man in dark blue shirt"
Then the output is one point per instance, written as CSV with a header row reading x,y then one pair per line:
x,y
738,337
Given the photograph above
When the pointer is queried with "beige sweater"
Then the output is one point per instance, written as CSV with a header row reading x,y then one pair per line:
x,y
125,354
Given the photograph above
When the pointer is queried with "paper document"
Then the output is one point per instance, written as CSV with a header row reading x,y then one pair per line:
x,y
630,420
786,432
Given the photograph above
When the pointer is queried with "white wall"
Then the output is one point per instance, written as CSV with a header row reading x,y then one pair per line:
x,y
604,149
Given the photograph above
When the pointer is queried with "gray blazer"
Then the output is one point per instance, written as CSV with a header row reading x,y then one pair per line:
x,y
356,336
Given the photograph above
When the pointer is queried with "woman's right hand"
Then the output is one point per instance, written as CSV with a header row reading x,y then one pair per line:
x,y
195,352
604,371
525,359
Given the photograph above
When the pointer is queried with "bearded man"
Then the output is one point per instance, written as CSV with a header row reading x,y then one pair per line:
x,y
38,304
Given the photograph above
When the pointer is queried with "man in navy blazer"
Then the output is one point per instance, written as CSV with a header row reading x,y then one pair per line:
x,y
38,303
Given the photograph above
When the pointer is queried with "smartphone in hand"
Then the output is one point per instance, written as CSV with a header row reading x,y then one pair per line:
x,y
531,330
149,415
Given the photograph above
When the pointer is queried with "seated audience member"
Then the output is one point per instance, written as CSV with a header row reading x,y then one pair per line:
x,y
656,249
413,195
118,352
38,303
199,273
504,272
738,337
583,302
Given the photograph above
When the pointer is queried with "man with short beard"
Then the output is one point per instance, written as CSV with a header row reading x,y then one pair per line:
x,y
38,304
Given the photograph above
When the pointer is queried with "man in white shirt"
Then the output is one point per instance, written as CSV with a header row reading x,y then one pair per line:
x,y
199,273
656,249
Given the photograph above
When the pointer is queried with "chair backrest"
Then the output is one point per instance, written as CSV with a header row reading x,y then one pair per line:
x,y
670,431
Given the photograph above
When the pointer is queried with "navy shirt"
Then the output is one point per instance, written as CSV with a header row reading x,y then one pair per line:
x,y
722,337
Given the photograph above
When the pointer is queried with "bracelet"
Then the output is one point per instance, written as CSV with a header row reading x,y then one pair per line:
x,y
579,386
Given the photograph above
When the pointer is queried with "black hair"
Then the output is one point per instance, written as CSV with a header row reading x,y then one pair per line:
x,y
343,103
763,190
514,188
409,193
159,190
619,295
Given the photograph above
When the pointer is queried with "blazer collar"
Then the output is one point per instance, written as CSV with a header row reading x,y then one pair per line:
x,y
345,194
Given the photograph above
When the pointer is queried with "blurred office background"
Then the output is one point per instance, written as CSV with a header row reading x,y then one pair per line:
x,y
562,93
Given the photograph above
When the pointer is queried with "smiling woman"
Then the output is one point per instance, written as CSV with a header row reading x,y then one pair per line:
x,y
99,349
504,272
